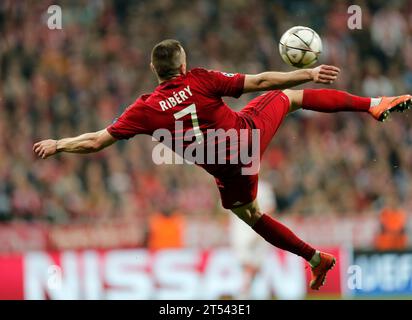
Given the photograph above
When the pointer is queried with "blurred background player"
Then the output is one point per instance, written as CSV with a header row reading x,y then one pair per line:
x,y
247,245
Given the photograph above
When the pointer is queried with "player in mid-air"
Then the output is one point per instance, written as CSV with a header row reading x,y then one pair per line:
x,y
195,98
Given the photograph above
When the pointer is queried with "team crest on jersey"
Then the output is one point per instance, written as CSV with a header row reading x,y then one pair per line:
x,y
228,74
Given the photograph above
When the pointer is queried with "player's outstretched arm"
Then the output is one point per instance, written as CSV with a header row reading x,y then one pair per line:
x,y
85,143
283,80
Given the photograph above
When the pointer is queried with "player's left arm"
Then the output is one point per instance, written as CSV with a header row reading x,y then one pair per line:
x,y
84,143
324,74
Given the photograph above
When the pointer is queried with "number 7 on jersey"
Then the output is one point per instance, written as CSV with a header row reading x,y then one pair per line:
x,y
195,122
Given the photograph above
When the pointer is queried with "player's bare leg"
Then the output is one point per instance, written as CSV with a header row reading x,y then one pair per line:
x,y
295,99
329,100
282,237
249,213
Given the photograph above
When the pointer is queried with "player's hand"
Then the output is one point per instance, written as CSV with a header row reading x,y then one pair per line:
x,y
325,74
45,148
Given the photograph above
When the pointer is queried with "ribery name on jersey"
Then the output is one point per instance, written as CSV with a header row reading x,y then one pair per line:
x,y
177,98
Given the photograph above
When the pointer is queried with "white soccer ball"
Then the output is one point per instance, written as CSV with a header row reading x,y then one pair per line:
x,y
300,47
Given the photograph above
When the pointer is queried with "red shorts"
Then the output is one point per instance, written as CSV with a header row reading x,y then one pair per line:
x,y
266,112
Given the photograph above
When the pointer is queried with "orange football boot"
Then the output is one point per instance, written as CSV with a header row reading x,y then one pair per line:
x,y
390,104
327,262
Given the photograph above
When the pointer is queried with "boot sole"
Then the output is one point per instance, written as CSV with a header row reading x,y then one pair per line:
x,y
400,107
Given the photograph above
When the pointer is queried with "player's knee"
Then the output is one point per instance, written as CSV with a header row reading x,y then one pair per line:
x,y
249,213
295,98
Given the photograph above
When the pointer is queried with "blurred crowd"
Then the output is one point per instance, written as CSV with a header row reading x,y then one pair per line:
x,y
58,83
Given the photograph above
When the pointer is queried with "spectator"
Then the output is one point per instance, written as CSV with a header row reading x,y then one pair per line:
x,y
392,235
166,230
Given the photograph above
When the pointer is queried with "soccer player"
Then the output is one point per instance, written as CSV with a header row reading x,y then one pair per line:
x,y
195,98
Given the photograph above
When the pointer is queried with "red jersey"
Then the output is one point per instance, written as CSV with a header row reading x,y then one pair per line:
x,y
194,100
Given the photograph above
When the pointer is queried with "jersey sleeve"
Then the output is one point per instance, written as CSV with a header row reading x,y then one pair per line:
x,y
223,84
130,123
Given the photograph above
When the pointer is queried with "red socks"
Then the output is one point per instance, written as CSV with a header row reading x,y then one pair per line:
x,y
329,100
282,237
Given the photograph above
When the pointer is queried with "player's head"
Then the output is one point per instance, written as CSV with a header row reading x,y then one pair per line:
x,y
168,59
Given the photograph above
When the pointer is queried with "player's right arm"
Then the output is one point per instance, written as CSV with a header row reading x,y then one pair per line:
x,y
133,121
85,143
264,81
